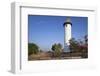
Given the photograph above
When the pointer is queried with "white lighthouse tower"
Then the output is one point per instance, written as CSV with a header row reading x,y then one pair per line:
x,y
67,34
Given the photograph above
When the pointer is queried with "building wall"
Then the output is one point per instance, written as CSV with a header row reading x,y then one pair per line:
x,y
67,33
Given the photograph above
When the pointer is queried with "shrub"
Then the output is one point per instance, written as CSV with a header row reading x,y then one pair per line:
x,y
57,48
32,48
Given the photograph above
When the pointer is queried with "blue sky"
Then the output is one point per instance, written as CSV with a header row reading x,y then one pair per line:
x,y
47,30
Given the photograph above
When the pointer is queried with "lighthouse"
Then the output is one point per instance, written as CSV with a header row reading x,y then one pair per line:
x,y
67,34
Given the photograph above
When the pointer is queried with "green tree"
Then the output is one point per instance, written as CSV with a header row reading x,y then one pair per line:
x,y
57,48
32,48
85,49
73,45
60,46
86,39
79,46
53,47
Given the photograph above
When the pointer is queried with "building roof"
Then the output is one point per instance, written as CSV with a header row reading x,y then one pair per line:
x,y
68,21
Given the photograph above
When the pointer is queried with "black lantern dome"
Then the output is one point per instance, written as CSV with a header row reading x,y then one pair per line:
x,y
68,21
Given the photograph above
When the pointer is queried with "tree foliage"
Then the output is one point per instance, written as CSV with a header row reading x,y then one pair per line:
x,y
57,48
73,45
78,46
32,48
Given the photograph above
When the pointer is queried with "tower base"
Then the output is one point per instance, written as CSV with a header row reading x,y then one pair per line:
x,y
66,48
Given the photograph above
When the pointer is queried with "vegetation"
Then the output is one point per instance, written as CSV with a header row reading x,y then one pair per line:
x,y
73,45
32,48
79,46
57,49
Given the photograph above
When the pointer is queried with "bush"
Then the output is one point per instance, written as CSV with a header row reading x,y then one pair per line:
x,y
32,48
57,48
77,46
